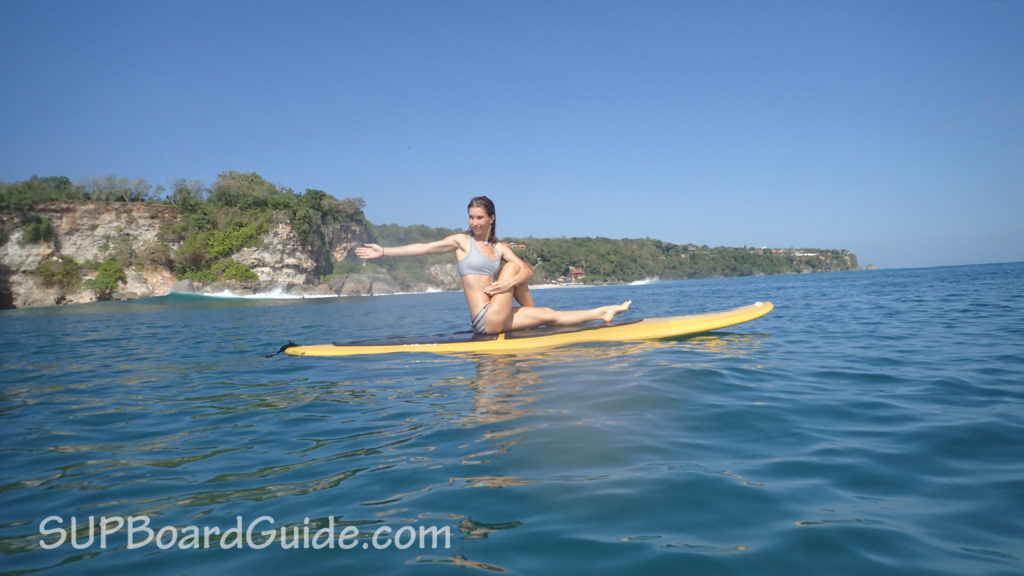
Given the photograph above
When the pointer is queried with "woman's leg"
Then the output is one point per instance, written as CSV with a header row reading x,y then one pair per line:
x,y
503,316
522,295
531,317
499,314
525,317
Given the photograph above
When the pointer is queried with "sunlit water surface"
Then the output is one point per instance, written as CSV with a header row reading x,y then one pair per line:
x,y
871,424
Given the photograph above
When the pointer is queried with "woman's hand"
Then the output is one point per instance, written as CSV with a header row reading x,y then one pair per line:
x,y
498,287
369,251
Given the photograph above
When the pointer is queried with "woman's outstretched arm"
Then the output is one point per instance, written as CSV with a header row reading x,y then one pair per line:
x,y
449,244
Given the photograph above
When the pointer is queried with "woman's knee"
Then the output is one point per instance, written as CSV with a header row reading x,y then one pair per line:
x,y
547,314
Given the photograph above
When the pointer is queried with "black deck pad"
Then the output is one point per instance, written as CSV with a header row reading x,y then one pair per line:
x,y
467,336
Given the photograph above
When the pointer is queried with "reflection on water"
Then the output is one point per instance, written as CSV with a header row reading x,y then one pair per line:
x,y
503,385
460,561
724,345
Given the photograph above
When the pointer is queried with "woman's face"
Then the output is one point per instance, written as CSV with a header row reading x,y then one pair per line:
x,y
479,221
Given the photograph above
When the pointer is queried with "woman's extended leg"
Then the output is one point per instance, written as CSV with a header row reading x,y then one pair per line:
x,y
531,316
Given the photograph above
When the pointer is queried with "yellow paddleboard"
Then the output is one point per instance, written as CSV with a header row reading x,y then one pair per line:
x,y
533,340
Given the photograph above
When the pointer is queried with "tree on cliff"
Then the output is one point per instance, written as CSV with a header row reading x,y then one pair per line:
x,y
113,189
21,196
109,276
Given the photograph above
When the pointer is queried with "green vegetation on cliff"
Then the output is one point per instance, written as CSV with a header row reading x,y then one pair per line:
x,y
603,260
236,212
22,196
67,274
109,276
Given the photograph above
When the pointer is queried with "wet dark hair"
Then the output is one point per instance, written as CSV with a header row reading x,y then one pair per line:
x,y
488,206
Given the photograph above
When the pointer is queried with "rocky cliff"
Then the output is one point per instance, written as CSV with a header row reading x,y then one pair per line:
x,y
84,232
94,231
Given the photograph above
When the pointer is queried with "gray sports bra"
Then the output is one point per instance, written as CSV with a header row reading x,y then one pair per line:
x,y
476,263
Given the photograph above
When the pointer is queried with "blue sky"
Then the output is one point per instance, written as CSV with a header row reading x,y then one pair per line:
x,y
894,129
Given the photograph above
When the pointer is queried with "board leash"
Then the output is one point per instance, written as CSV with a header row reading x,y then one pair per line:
x,y
290,344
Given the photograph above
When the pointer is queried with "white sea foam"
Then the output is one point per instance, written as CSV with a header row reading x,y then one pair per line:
x,y
276,293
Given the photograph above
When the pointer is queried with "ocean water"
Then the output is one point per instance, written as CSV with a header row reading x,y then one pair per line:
x,y
873,423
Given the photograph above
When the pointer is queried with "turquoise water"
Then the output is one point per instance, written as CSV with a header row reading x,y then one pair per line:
x,y
873,423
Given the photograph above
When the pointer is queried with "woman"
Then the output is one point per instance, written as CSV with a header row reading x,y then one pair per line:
x,y
491,295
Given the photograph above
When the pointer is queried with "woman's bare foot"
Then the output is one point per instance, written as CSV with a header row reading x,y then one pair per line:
x,y
611,312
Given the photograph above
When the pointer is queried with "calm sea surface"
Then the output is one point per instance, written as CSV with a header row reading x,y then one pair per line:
x,y
873,423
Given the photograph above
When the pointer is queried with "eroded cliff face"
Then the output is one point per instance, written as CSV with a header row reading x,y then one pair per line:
x,y
96,231
85,231
281,261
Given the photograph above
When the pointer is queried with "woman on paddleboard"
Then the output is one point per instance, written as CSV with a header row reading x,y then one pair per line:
x,y
490,294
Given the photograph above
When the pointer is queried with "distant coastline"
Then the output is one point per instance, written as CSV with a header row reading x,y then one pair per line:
x,y
118,239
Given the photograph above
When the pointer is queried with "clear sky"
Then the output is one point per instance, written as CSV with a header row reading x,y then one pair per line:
x,y
894,129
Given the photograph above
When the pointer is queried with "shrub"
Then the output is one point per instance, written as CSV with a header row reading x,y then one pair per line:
x,y
224,269
192,255
37,230
110,275
156,253
232,239
65,273
120,249
238,271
